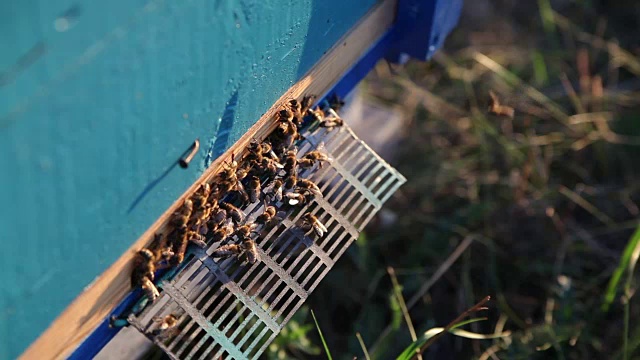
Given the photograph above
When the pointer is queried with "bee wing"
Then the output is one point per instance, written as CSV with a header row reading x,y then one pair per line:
x,y
321,226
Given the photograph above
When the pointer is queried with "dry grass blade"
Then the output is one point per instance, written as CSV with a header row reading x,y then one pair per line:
x,y
576,198
364,348
620,55
477,307
397,289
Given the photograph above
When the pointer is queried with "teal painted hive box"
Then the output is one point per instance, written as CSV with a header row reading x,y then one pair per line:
x,y
98,101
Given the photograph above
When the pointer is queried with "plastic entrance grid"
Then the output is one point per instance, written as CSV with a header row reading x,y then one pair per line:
x,y
233,310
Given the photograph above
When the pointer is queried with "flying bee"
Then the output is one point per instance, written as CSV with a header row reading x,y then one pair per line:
x,y
331,121
167,326
496,108
223,232
236,214
142,274
182,216
273,191
319,155
310,223
251,250
310,186
244,232
296,198
268,216
254,189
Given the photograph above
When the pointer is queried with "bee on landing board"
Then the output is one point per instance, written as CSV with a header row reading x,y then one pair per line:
x,y
247,248
311,224
309,186
273,191
167,326
319,156
233,212
142,275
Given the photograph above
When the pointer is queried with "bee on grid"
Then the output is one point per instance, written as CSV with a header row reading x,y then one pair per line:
x,y
317,156
167,328
273,191
311,224
331,119
142,275
310,186
269,216
223,232
233,212
247,248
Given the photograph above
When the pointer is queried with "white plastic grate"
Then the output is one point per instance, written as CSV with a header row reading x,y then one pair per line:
x,y
233,310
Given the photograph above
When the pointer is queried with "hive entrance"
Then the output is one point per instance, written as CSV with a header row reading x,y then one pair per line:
x,y
234,309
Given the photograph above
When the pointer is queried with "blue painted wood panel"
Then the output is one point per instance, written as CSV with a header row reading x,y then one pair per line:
x,y
97,102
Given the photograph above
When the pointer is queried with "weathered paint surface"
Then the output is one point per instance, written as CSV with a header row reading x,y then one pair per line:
x,y
98,99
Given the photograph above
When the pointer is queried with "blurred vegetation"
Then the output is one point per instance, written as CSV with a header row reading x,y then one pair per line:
x,y
538,211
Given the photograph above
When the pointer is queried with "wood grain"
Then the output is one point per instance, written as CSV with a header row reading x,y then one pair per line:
x,y
96,301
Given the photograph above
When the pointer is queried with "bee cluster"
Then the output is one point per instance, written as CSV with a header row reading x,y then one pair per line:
x,y
267,172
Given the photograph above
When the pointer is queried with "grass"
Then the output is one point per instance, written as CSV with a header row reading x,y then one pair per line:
x,y
538,211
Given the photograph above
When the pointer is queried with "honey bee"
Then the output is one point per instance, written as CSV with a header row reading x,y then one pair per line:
x,y
182,216
268,216
496,108
228,250
319,155
254,189
201,195
316,114
236,214
291,160
334,120
244,232
273,191
167,326
223,232
247,247
179,240
290,183
142,274
270,167
296,198
310,186
307,103
250,248
310,224
286,133
335,102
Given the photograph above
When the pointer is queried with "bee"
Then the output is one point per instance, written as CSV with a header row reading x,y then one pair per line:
x,y
268,216
296,198
307,103
142,274
250,248
179,240
236,214
229,250
244,232
182,216
201,219
290,183
319,155
270,167
310,224
335,102
273,191
286,114
496,108
291,160
296,110
167,326
201,195
286,133
310,186
254,189
334,120
223,232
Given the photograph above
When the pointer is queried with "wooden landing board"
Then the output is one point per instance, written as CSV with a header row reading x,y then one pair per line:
x,y
95,303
